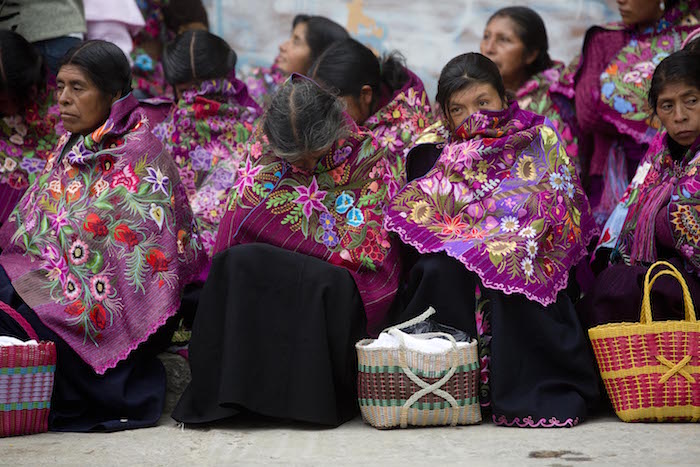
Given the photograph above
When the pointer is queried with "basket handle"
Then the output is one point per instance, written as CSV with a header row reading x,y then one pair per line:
x,y
646,317
20,320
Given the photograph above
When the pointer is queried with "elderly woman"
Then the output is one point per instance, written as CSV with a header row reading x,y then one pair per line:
x,y
27,126
657,217
609,82
99,248
502,208
306,264
207,129
515,39
383,96
310,37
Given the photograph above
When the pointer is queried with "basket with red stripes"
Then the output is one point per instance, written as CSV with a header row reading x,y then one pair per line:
x,y
26,382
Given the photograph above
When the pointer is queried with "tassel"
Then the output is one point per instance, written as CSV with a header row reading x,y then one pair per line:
x,y
643,244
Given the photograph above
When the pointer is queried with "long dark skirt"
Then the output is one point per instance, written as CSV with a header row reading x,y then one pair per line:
x,y
274,334
617,296
131,395
541,370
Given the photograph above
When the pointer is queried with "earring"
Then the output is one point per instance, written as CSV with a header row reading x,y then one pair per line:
x,y
662,7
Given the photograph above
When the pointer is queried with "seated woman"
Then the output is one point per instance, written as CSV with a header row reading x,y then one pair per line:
x,y
515,39
306,264
165,19
502,208
309,38
385,97
206,130
609,83
657,217
99,248
26,125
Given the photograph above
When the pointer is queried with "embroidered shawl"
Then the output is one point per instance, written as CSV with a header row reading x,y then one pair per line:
x,y
26,143
206,134
505,200
102,244
334,213
535,97
400,121
262,83
658,173
148,74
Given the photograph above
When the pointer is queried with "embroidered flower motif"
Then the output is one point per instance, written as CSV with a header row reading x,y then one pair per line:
x,y
327,221
157,214
510,224
78,252
157,180
501,248
330,238
126,178
556,180
452,226
122,233
59,219
310,198
246,176
531,247
157,260
143,62
344,202
526,265
95,225
72,288
528,232
98,316
570,190
462,193
201,159
685,222
32,165
526,169
75,309
74,187
55,186
54,264
100,186
355,217
99,287
9,164
421,212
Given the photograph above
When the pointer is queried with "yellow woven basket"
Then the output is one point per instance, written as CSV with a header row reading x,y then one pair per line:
x,y
651,370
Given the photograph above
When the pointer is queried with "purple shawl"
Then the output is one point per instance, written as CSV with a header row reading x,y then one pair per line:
x,y
263,82
401,119
505,200
334,213
206,134
662,189
101,246
26,143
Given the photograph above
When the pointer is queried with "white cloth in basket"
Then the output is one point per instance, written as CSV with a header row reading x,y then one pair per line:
x,y
430,346
7,341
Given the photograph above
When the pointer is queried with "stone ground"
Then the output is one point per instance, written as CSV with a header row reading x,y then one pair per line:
x,y
248,441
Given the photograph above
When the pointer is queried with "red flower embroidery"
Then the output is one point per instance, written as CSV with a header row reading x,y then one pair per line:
x,y
95,225
126,178
98,316
204,108
107,164
157,260
75,308
122,233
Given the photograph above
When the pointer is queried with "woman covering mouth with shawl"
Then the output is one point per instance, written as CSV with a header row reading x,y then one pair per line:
x,y
502,207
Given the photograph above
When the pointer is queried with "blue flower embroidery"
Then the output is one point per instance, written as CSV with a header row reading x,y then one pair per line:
x,y
608,89
355,217
623,106
144,62
330,238
344,202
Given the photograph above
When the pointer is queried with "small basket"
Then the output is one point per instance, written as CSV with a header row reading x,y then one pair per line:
x,y
651,370
26,383
402,387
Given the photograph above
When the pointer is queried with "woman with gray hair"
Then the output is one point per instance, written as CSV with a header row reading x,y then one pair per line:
x,y
306,264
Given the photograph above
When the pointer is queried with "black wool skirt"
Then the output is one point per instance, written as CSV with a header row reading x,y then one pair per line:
x,y
274,334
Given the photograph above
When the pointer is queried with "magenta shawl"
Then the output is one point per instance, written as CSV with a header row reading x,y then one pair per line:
x,y
334,213
101,246
505,200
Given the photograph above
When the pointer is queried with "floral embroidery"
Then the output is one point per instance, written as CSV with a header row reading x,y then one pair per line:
x,y
205,133
529,422
263,82
518,233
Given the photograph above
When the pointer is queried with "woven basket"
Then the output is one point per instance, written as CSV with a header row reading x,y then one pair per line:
x,y
402,387
26,383
651,370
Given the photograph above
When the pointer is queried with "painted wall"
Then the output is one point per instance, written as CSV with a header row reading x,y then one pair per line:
x,y
428,33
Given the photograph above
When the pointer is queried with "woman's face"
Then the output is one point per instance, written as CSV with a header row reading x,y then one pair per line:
x,y
502,45
470,100
678,108
639,12
295,53
82,105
